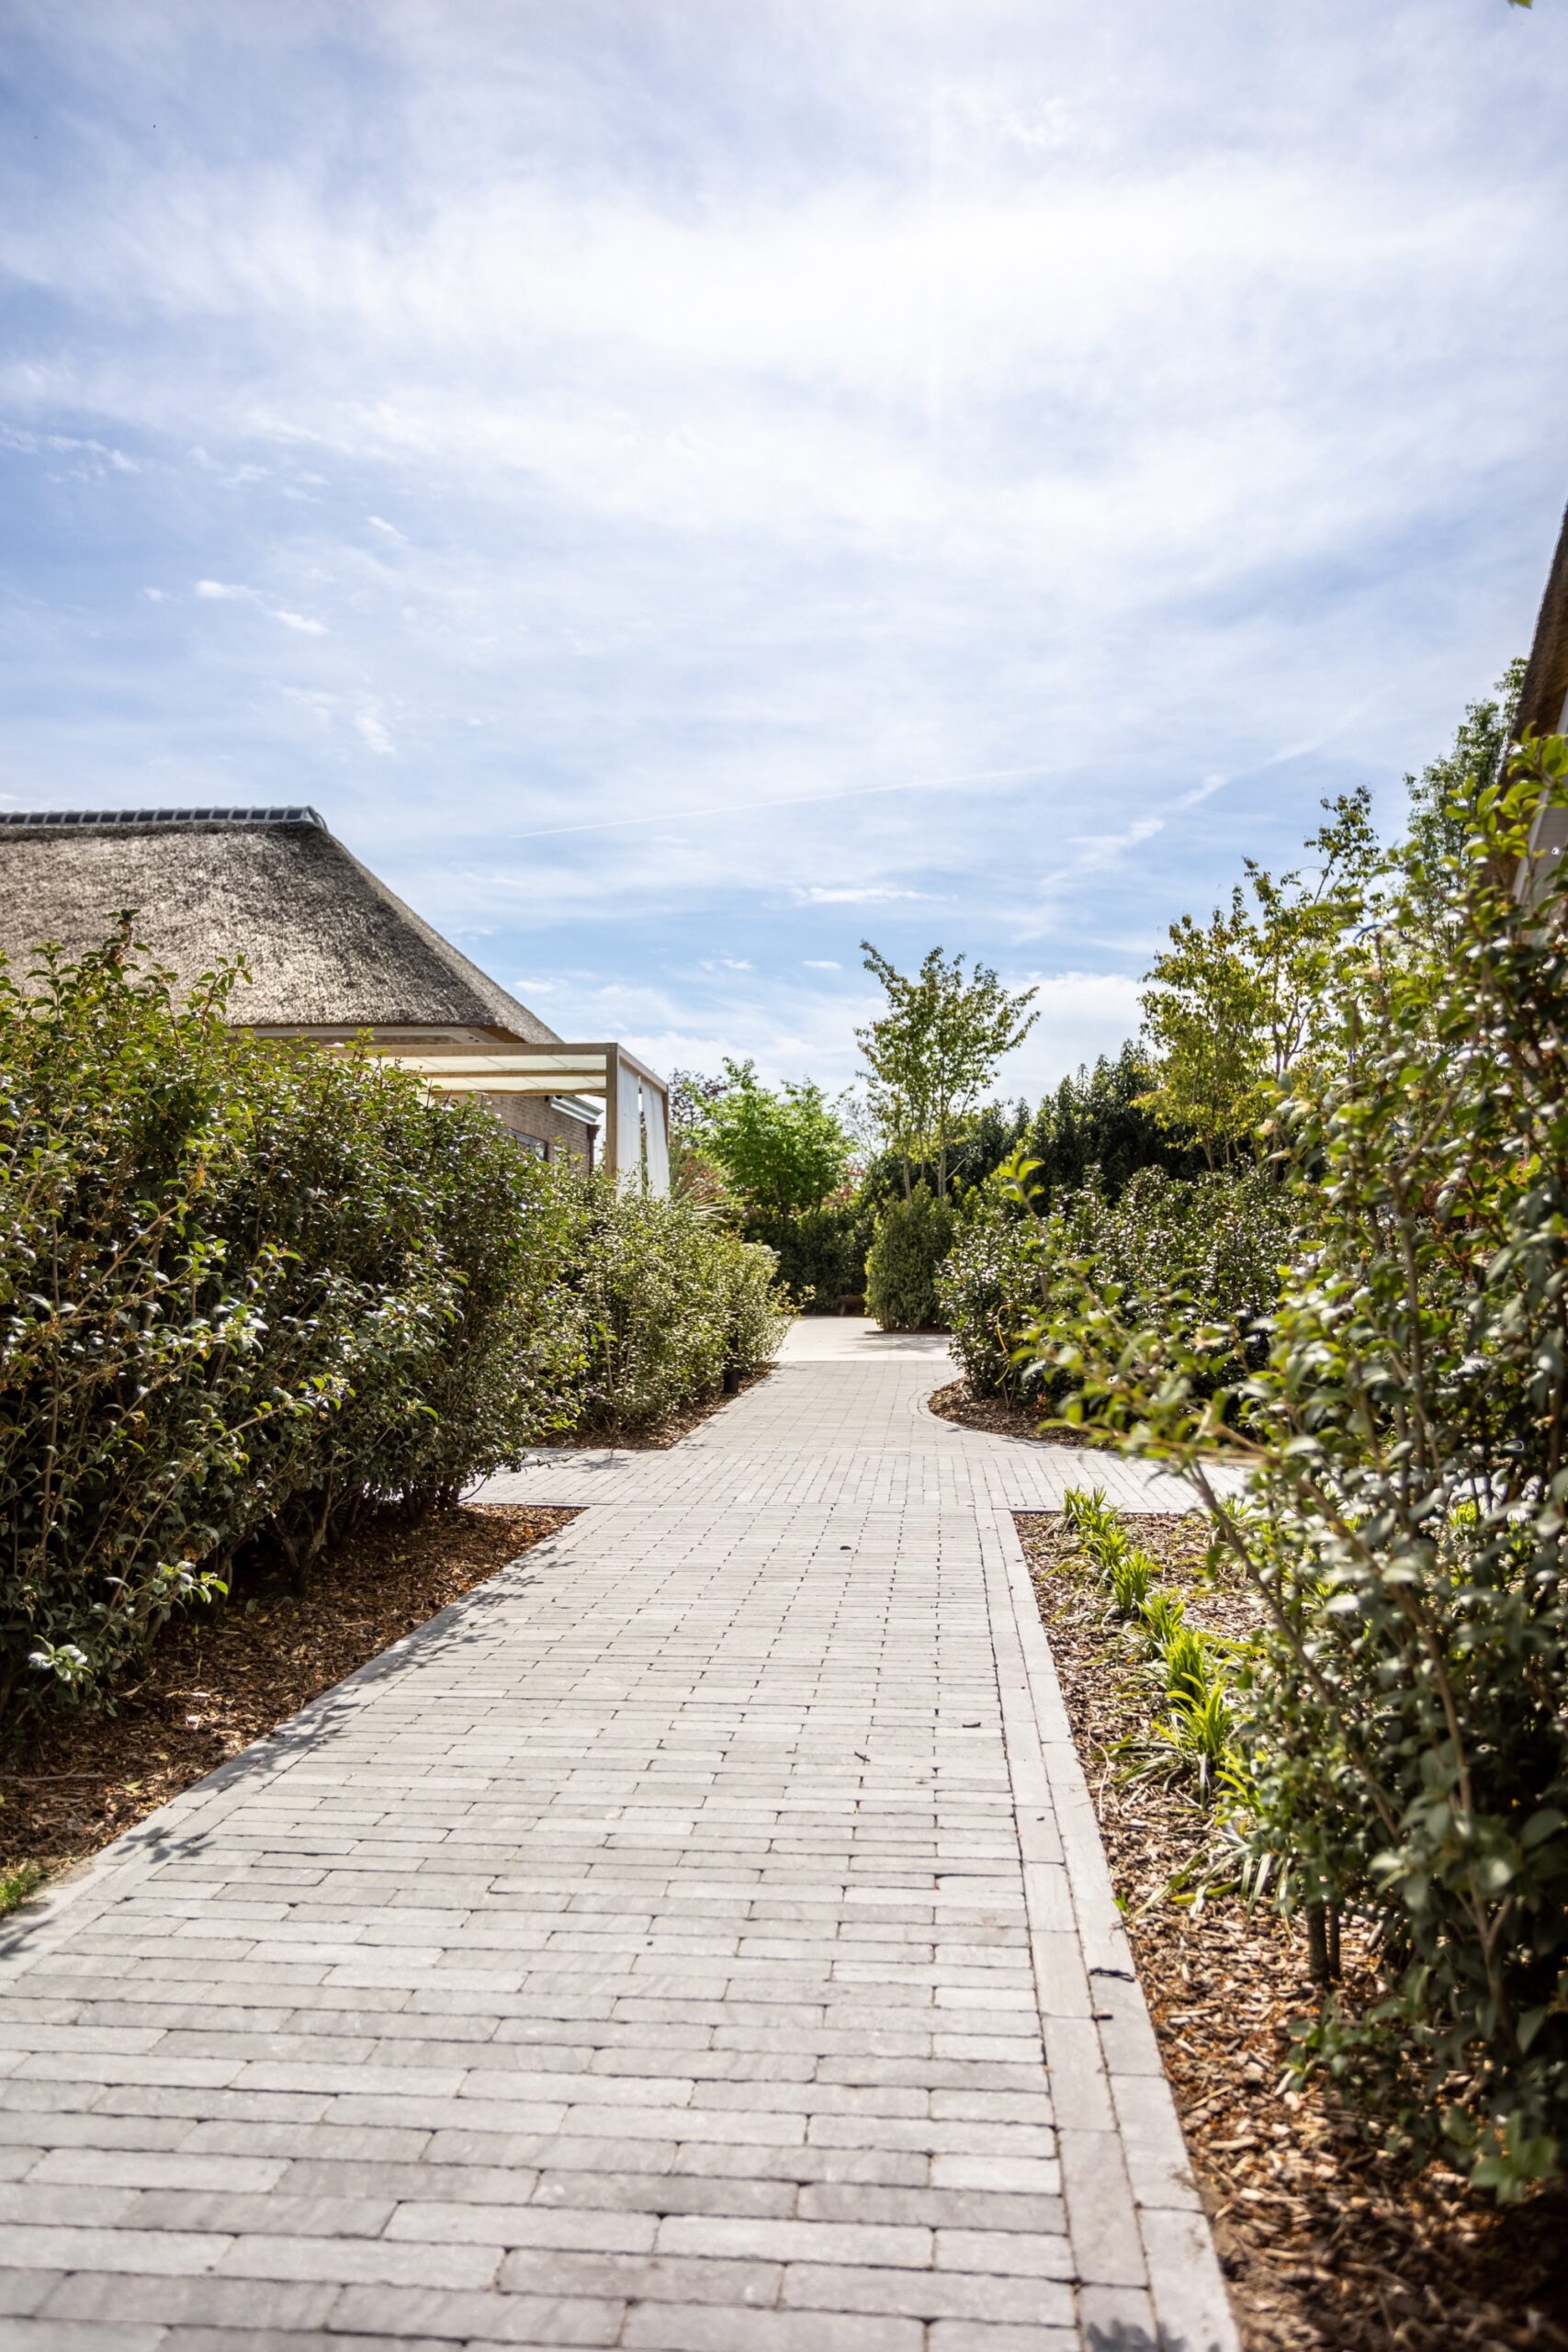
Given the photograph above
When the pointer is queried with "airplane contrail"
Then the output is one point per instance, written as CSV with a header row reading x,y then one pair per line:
x,y
790,800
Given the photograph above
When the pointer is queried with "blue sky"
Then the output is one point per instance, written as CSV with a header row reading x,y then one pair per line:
x,y
681,486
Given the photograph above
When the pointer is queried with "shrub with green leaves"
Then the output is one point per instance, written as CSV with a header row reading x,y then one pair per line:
x,y
912,1239
663,1296
1407,1438
248,1289
987,1288
1202,1253
243,1288
821,1252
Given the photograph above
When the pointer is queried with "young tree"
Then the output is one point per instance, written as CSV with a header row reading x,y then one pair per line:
x,y
1203,1020
1234,1008
1443,797
783,1152
934,1050
1407,1433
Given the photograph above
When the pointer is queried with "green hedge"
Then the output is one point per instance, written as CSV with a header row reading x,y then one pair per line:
x,y
1191,1252
248,1289
821,1253
662,1296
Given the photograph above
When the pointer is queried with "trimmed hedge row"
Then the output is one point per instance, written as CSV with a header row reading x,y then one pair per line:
x,y
1186,1252
248,1290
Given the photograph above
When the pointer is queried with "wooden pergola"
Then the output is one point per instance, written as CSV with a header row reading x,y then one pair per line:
x,y
635,1138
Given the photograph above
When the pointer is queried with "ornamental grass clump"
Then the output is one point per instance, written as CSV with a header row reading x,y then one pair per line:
x,y
1191,1672
1408,1441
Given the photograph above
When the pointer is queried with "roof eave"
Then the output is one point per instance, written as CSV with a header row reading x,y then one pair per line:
x,y
1544,693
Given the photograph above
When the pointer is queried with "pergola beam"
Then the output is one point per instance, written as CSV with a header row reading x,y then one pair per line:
x,y
598,1069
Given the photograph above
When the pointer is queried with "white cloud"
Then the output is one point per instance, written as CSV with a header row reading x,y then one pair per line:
x,y
986,442
818,894
225,591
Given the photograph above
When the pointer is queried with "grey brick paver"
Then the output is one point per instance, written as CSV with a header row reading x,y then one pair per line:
x,y
697,1939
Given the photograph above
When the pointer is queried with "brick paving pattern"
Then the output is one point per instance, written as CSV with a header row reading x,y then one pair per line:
x,y
698,1939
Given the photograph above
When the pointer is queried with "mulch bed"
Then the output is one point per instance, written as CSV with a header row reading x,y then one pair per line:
x,y
999,1416
1325,2241
661,1434
219,1678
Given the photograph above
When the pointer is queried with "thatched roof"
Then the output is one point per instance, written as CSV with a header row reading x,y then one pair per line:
x,y
1545,691
326,944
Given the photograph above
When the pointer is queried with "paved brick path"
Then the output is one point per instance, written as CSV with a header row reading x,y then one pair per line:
x,y
697,1940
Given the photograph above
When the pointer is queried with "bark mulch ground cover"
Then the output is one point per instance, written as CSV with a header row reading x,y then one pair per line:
x,y
1325,2241
999,1416
222,1678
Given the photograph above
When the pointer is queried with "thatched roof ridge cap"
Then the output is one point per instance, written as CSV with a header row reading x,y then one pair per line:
x,y
156,820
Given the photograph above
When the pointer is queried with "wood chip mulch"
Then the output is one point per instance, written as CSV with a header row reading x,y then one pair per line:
x,y
222,1678
1325,2241
999,1416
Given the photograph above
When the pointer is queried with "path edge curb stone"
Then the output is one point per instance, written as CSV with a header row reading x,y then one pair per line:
x,y
1109,2085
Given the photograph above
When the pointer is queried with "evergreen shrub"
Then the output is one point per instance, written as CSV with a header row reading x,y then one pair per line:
x,y
1405,1724
1196,1250
662,1296
821,1252
912,1238
248,1289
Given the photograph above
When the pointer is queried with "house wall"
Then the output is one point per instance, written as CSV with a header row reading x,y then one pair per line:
x,y
536,1116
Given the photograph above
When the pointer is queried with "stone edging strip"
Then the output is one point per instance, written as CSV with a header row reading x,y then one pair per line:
x,y
1148,2271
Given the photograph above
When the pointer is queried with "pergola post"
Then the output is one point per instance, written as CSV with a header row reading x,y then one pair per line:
x,y
604,1069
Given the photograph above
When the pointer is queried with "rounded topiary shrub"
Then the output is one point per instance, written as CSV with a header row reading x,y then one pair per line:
x,y
912,1239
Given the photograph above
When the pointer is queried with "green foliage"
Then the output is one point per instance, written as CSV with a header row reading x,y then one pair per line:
x,y
243,1288
933,1051
1161,1614
1131,1574
1406,1433
17,1883
1203,1020
1099,1126
1443,799
1091,1518
1202,1255
1193,1671
247,1289
821,1253
912,1238
1199,1732
662,1296
781,1151
1235,1006
987,1288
